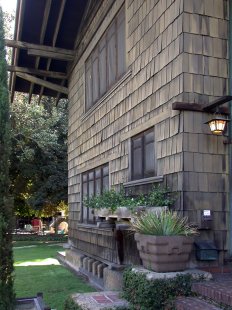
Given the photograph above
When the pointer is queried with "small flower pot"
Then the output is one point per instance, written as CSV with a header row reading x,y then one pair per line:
x,y
164,253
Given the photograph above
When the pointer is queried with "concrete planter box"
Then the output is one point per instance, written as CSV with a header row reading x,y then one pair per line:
x,y
164,253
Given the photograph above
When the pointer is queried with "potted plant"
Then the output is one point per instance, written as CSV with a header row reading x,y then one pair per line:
x,y
164,240
116,204
105,204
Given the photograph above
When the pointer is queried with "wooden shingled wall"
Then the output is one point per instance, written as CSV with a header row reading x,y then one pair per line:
x,y
176,50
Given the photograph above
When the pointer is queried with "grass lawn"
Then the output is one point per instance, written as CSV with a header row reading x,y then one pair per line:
x,y
37,270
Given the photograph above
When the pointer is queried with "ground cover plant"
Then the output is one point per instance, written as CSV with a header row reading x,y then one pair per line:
x,y
37,270
158,294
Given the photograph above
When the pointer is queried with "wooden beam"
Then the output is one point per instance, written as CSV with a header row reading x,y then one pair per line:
x,y
54,39
51,74
45,48
48,54
42,82
18,30
216,103
185,106
41,39
197,107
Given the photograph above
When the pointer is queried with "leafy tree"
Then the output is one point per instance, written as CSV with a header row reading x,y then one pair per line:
x,y
39,157
6,258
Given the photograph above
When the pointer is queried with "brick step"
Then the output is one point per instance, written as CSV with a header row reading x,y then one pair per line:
x,y
220,292
193,303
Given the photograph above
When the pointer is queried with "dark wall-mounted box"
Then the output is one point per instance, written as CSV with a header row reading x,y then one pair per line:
x,y
206,250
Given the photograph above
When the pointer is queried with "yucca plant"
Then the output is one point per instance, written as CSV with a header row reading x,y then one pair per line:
x,y
166,223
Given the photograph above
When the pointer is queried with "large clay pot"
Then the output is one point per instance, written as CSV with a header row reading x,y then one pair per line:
x,y
164,253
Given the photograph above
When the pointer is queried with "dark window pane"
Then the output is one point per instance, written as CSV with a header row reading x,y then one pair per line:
x,y
91,188
149,137
111,56
91,175
89,98
105,170
102,67
97,186
137,142
121,63
98,173
137,163
143,155
149,160
95,78
84,177
106,183
84,189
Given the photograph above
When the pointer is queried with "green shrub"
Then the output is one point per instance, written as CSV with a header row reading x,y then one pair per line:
x,y
52,237
159,294
69,304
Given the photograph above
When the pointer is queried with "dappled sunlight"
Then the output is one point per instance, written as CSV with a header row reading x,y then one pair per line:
x,y
26,246
38,262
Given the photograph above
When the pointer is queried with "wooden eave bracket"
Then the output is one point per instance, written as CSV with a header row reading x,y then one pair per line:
x,y
210,107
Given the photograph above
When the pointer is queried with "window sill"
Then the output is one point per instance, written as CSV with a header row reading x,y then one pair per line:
x,y
102,99
144,181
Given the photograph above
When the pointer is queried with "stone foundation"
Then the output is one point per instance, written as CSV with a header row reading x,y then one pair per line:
x,y
104,276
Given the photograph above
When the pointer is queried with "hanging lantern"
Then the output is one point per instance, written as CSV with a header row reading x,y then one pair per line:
x,y
217,124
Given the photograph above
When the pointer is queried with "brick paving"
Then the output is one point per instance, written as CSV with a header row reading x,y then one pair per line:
x,y
99,300
193,303
219,291
216,291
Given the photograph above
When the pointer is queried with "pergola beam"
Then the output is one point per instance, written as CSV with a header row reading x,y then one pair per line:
x,y
41,39
48,54
42,82
51,74
54,39
45,48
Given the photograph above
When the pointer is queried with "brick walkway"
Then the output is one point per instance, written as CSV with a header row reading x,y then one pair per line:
x,y
218,291
99,300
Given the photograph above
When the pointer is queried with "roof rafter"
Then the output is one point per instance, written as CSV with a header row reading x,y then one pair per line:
x,y
54,43
15,54
42,82
42,35
51,74
45,48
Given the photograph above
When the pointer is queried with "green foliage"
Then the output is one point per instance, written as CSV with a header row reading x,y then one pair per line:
x,y
112,199
39,158
6,203
158,294
70,304
44,238
166,223
159,196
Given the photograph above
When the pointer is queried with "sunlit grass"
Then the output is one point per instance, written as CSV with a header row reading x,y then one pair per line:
x,y
37,270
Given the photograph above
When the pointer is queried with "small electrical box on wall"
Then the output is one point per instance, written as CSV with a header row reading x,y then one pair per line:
x,y
205,219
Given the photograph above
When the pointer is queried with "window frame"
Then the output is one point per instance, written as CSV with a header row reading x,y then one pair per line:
x,y
143,175
102,176
89,63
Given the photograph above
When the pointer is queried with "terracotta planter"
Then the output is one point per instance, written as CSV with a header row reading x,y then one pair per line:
x,y
164,253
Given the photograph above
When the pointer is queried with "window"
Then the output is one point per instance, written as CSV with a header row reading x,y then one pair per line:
x,y
93,183
143,155
106,64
